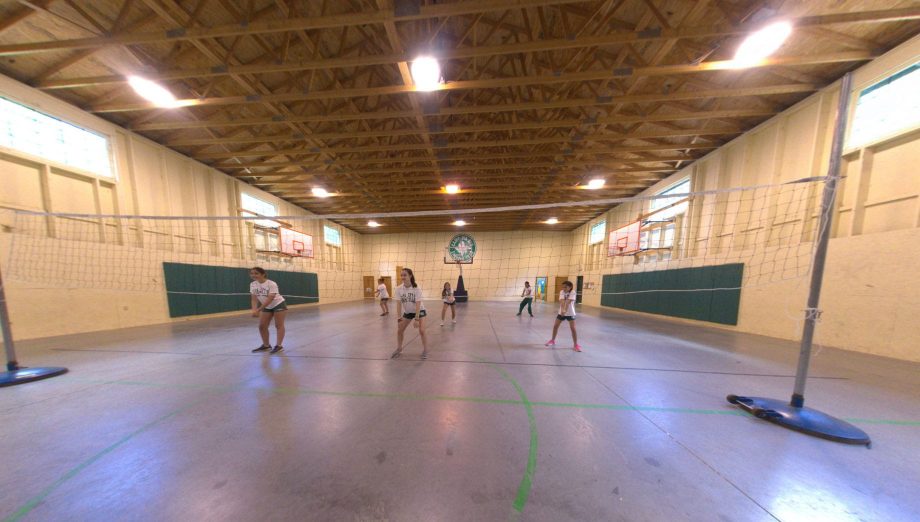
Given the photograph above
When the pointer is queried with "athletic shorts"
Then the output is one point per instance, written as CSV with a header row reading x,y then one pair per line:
x,y
384,299
282,306
450,304
565,317
411,316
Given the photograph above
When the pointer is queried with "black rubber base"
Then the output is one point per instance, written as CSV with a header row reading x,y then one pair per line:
x,y
805,420
24,375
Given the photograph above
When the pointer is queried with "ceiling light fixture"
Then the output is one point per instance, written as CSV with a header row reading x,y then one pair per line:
x,y
373,224
552,221
426,73
596,183
459,223
320,192
453,188
153,92
762,43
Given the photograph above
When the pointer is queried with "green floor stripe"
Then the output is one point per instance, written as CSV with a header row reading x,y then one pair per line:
x,y
486,400
38,499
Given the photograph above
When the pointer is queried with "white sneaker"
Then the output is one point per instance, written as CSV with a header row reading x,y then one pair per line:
x,y
442,323
454,321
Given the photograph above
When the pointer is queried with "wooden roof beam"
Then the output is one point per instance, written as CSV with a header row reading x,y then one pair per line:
x,y
275,26
598,75
468,129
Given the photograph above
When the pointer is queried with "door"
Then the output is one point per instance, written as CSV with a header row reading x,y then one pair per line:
x,y
398,275
540,289
388,281
369,287
579,284
558,287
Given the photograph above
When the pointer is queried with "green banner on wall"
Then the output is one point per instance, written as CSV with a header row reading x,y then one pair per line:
x,y
206,289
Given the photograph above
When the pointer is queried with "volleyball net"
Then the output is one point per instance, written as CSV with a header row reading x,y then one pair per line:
x,y
642,245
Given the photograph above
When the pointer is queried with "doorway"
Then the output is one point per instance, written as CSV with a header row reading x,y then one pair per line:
x,y
369,287
558,286
388,282
579,284
540,289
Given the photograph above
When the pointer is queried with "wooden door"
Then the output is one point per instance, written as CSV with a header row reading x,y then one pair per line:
x,y
388,281
558,288
398,275
369,287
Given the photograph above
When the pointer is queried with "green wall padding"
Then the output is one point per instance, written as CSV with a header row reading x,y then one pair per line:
x,y
715,306
206,283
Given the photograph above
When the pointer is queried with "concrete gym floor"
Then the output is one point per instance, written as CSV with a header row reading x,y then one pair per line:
x,y
181,422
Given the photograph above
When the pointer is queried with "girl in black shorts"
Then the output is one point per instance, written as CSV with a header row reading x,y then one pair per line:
x,y
267,304
447,295
409,308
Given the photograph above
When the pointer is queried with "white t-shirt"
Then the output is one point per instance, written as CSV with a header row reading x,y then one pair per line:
x,y
570,309
528,291
382,292
411,298
263,290
449,298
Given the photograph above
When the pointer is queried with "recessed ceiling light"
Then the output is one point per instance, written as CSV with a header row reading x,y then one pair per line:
x,y
320,192
762,43
552,221
373,224
596,183
153,92
426,73
459,223
453,188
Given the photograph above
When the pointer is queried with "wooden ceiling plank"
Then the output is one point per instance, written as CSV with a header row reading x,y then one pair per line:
x,y
304,23
542,45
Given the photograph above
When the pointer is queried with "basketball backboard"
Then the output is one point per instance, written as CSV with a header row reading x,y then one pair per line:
x,y
294,243
624,240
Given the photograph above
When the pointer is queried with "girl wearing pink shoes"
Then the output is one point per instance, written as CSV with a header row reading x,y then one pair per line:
x,y
566,313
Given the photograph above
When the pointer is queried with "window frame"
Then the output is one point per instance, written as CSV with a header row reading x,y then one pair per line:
x,y
654,242
338,234
913,68
112,177
262,223
603,235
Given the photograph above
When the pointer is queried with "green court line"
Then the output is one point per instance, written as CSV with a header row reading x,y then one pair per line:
x,y
41,496
526,482
523,493
486,400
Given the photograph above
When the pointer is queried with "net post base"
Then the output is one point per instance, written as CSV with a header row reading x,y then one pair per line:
x,y
802,419
24,375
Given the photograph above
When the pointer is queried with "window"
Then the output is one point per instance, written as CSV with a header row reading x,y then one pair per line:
x,y
333,236
32,132
681,188
887,108
252,205
659,231
598,231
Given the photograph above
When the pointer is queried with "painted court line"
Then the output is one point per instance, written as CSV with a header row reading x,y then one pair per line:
x,y
41,496
483,400
293,354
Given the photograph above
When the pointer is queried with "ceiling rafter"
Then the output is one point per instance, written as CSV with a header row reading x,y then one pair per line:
x,y
542,95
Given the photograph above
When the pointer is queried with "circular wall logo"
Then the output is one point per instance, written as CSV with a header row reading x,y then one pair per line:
x,y
462,248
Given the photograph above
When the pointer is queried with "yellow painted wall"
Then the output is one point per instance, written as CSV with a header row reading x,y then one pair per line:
x,y
504,261
124,270
872,285
869,296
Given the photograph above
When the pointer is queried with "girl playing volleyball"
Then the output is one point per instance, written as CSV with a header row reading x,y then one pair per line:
x,y
409,309
267,304
447,295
